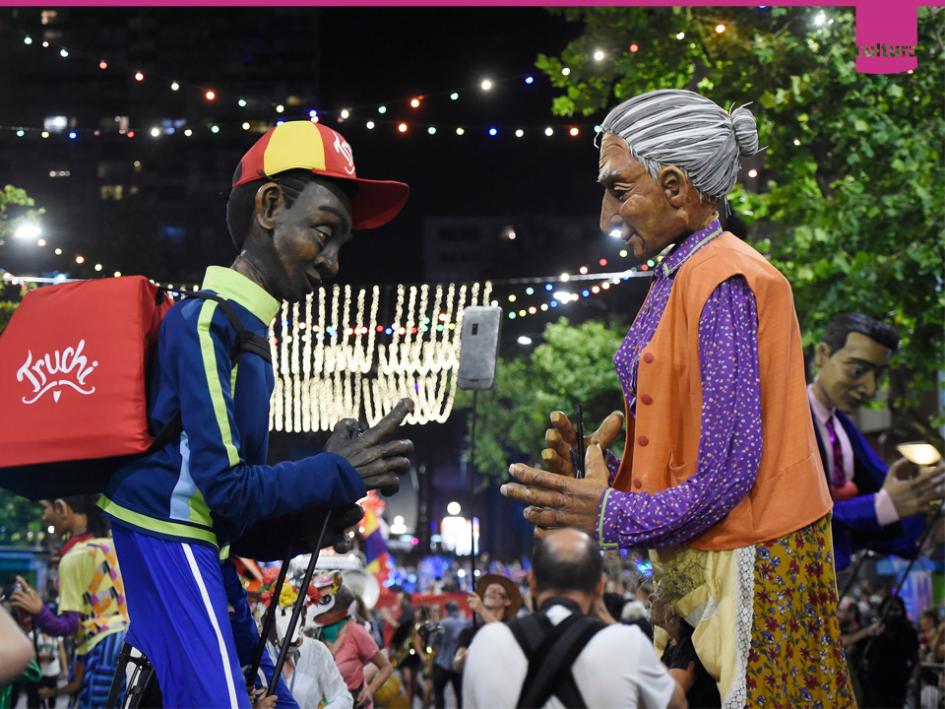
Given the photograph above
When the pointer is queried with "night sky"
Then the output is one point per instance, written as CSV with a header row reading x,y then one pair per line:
x,y
355,58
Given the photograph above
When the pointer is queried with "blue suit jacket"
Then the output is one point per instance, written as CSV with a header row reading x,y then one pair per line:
x,y
854,521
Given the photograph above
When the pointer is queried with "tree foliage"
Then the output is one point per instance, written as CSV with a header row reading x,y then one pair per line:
x,y
18,516
850,197
11,196
573,365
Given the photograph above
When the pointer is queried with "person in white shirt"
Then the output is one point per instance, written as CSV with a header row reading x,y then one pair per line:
x,y
616,667
872,509
310,671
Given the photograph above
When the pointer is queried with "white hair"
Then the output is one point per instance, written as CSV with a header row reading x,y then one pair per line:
x,y
682,128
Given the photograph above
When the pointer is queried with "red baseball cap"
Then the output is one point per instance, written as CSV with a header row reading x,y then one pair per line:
x,y
304,145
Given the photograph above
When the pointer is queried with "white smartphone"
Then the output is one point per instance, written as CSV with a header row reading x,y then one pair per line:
x,y
479,347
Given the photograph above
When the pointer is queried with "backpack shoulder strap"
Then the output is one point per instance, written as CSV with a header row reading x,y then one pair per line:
x,y
549,672
246,341
529,631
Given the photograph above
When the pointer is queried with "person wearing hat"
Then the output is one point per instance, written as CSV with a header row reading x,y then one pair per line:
x,y
295,200
310,670
497,599
350,644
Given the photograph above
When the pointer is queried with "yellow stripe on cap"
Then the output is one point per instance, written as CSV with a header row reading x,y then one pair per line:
x,y
294,145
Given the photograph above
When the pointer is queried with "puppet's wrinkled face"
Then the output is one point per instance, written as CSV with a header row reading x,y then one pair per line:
x,y
636,204
306,237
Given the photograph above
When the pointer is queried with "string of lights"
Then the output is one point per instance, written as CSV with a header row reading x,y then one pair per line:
x,y
321,377
400,128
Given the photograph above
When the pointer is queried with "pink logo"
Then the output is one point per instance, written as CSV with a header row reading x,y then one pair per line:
x,y
55,370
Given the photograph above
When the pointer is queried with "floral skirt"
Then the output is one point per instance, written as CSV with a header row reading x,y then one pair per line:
x,y
796,657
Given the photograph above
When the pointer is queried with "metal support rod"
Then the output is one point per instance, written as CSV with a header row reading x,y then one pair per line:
x,y
269,620
472,496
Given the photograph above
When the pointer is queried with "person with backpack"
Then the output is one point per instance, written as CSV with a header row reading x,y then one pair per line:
x,y
294,202
92,606
562,655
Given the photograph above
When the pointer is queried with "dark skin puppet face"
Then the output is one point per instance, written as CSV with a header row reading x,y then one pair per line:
x,y
291,250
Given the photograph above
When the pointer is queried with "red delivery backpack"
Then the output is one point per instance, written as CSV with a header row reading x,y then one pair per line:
x,y
73,383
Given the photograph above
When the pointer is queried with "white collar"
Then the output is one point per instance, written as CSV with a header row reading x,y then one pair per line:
x,y
822,413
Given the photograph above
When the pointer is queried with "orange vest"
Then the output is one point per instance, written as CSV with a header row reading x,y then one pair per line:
x,y
662,445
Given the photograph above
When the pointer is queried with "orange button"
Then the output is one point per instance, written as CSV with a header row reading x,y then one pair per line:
x,y
643,441
648,357
637,484
646,399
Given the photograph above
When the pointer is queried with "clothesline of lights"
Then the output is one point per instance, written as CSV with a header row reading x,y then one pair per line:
x,y
398,128
211,95
368,113
554,288
214,96
31,231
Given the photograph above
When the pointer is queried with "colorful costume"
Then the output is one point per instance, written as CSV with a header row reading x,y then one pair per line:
x,y
720,473
92,608
173,509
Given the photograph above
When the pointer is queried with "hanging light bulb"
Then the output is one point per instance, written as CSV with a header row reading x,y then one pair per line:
x,y
210,95
486,85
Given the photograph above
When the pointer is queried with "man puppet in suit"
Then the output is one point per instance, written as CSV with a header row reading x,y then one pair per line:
x,y
874,507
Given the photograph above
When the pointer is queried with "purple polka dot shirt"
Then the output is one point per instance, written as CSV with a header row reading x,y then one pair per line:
x,y
730,439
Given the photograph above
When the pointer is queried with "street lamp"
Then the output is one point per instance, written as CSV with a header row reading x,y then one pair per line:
x,y
27,231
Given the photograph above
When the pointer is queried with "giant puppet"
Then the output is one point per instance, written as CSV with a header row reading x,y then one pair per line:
x,y
720,474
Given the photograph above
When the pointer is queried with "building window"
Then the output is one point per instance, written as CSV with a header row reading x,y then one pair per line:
x,y
114,192
47,17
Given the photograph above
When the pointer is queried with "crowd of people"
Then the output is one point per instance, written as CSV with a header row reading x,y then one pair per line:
x,y
442,653
749,489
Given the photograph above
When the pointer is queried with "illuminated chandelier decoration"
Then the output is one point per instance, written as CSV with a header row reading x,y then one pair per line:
x,y
328,365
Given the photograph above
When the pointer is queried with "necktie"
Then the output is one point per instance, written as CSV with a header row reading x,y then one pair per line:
x,y
839,476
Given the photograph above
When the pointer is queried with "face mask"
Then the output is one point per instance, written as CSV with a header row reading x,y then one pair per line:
x,y
330,632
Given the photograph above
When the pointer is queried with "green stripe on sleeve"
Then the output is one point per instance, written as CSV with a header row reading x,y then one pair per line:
x,y
209,355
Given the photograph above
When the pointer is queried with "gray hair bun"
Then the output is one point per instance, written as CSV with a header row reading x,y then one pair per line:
x,y
746,131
